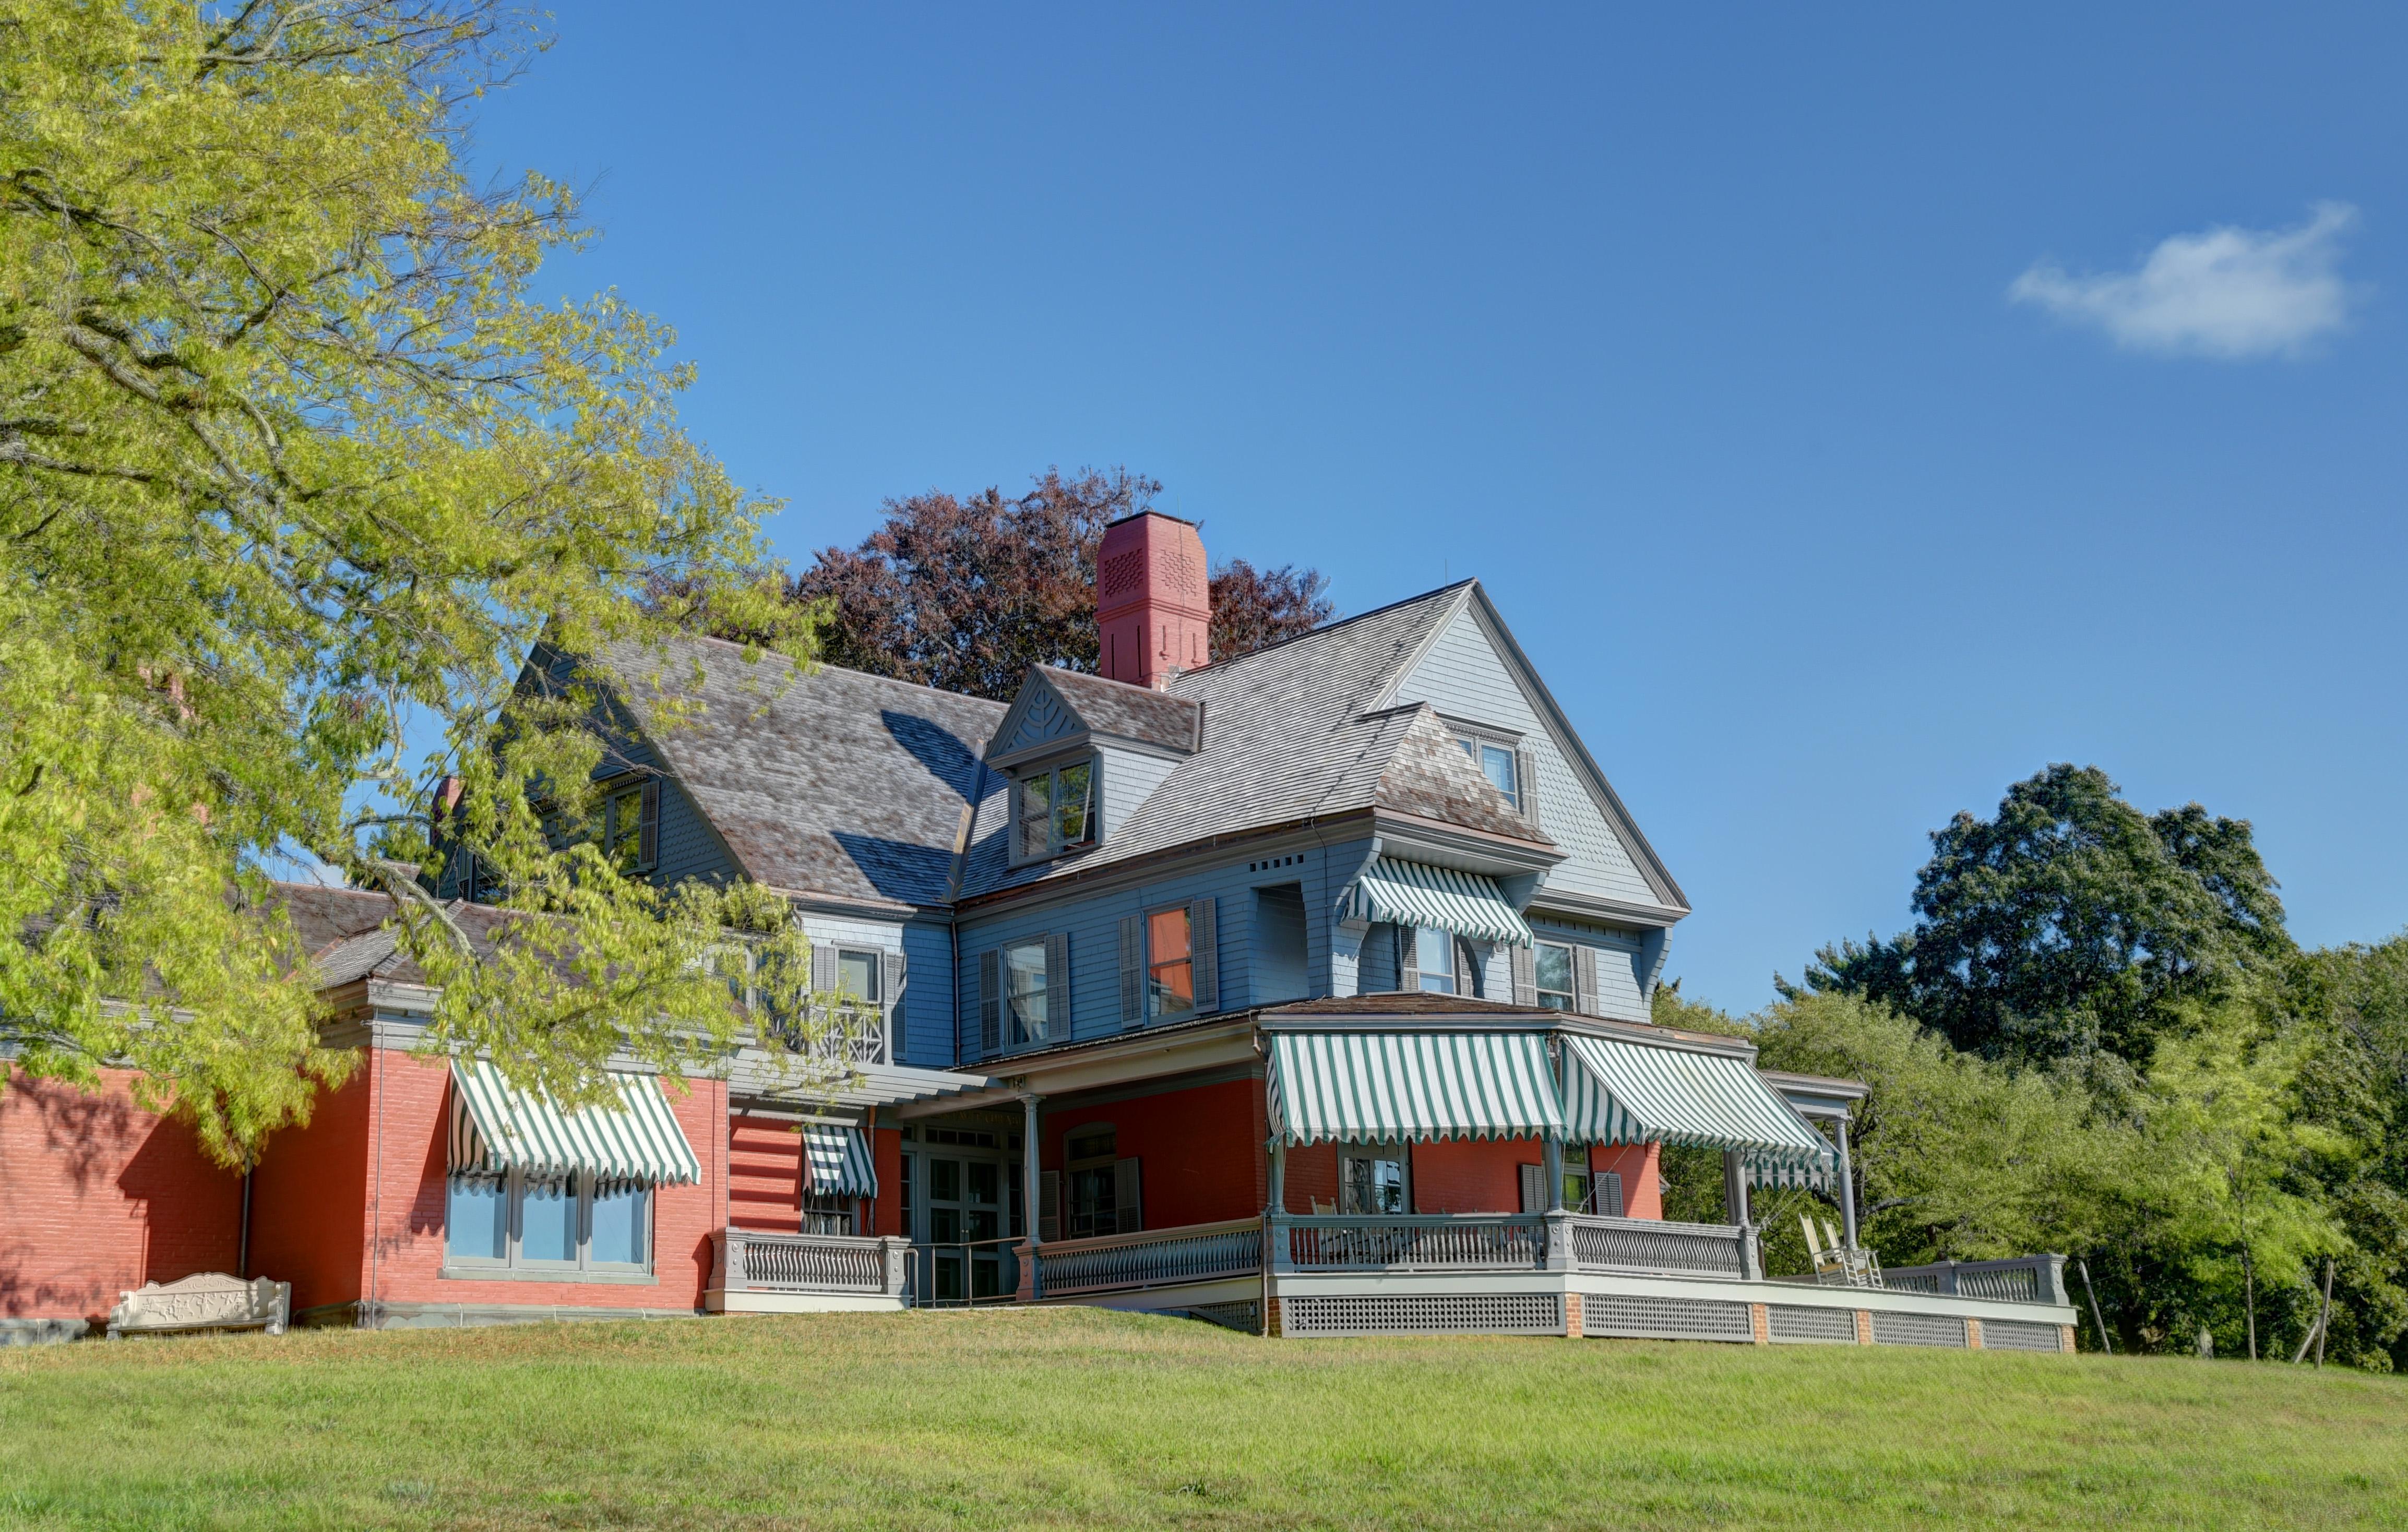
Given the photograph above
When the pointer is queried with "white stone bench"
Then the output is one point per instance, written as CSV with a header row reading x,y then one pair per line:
x,y
210,1301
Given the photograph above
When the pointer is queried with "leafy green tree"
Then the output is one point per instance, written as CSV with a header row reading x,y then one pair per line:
x,y
295,466
2070,924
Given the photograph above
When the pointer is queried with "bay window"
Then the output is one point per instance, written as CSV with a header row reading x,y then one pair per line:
x,y
516,1221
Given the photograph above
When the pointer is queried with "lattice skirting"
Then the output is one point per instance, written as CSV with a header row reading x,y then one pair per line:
x,y
1427,1313
1798,1324
1246,1315
1665,1318
2020,1335
1892,1329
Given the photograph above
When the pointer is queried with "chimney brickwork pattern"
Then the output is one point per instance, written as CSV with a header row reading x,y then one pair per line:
x,y
1153,603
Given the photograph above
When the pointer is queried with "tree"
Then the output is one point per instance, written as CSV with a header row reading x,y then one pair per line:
x,y
295,469
967,595
2070,922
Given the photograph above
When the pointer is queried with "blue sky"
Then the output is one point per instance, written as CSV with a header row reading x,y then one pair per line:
x,y
1852,414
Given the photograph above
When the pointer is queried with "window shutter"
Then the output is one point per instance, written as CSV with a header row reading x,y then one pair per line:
x,y
1526,782
1584,979
823,967
1534,1188
1132,970
1128,1213
1204,946
648,833
1057,987
1409,957
1525,976
1609,1194
1467,977
1049,1206
890,988
991,1001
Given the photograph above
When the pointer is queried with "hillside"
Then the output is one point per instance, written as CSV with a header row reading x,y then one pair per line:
x,y
1089,1418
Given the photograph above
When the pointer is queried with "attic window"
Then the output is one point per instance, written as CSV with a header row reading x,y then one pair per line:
x,y
1498,763
1057,810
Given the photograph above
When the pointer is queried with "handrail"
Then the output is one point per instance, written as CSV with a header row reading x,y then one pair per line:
x,y
2022,1278
762,1261
919,1290
1412,1243
1658,1246
1151,1257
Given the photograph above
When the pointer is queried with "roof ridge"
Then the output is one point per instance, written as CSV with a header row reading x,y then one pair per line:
x,y
1331,626
816,665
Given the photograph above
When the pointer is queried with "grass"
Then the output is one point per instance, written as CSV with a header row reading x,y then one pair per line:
x,y
1081,1418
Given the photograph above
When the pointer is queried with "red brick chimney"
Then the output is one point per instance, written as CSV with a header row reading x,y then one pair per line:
x,y
1153,606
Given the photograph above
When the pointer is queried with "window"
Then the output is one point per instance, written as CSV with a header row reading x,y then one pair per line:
x,y
1434,956
824,1214
1576,1179
565,1224
1024,997
1169,963
1094,1179
1057,810
1551,963
627,826
1374,1178
1495,763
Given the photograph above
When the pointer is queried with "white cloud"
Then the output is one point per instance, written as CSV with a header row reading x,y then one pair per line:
x,y
2225,292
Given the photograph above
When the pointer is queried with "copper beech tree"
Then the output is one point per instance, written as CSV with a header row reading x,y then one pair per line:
x,y
296,467
965,594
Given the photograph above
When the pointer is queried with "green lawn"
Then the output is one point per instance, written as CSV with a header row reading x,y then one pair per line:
x,y
1089,1418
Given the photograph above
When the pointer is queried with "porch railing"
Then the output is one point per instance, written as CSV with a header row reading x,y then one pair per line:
x,y
1654,1246
857,1037
1189,1253
1421,1242
752,1261
2025,1279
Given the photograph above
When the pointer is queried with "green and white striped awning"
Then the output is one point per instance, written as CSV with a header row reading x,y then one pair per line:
x,y
1628,1092
497,1127
838,1158
1414,894
1373,1087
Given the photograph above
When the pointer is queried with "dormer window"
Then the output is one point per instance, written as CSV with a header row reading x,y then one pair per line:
x,y
1495,762
1057,810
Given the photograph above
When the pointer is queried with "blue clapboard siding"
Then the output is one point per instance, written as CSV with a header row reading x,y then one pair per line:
x,y
1621,990
1093,927
1464,677
1126,777
928,994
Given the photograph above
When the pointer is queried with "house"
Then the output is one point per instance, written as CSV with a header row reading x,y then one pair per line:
x,y
1306,990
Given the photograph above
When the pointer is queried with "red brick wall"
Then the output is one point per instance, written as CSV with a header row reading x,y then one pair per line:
x,y
1200,1150
97,1196
886,1154
764,1174
1640,1166
408,1201
309,1199
1311,1177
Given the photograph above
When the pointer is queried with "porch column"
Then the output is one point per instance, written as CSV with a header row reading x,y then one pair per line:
x,y
1032,1287
1278,1175
1555,1173
1847,1190
1735,1188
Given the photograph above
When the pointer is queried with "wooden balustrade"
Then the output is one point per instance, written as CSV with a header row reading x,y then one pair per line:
x,y
1192,1252
2025,1279
1654,1246
750,1260
1422,1243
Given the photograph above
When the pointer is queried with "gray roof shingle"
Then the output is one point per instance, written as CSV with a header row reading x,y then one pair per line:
x,y
1286,737
824,782
1132,712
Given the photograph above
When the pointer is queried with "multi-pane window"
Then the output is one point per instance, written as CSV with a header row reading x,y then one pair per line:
x,y
1169,963
1023,991
573,1222
1551,963
1374,1178
1057,810
1094,1185
1495,763
1434,956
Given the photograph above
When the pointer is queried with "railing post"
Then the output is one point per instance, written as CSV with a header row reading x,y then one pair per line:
x,y
1751,1257
736,1282
895,1252
1031,1287
2052,1285
1559,1256
1278,1251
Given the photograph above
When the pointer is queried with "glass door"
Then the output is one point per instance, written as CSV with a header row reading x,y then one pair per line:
x,y
966,1228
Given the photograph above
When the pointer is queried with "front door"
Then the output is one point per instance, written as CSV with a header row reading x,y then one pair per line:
x,y
968,1182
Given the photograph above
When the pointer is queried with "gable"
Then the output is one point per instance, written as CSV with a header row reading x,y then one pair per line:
x,y
1466,674
1037,716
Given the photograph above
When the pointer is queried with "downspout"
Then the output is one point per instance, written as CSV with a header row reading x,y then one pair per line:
x,y
962,842
242,1235
371,1313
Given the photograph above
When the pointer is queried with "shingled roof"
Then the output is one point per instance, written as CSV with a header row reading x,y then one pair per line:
x,y
825,781
1286,737
1132,712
